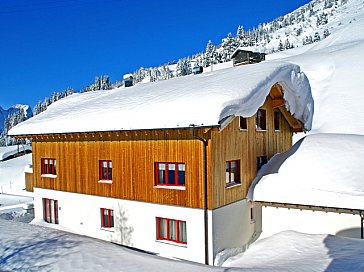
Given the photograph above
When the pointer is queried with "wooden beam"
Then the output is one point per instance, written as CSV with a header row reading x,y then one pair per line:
x,y
277,103
293,122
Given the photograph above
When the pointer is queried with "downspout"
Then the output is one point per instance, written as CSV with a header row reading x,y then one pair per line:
x,y
361,225
204,142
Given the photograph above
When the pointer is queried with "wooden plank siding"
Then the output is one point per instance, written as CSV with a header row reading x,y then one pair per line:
x,y
231,143
133,155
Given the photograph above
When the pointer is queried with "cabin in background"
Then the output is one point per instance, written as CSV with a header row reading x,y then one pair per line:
x,y
242,56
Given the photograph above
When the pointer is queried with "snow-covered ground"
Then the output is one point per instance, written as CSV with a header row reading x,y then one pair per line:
x,y
335,69
294,251
26,247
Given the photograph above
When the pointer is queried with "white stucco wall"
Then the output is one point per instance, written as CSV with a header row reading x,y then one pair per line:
x,y
135,222
275,220
233,227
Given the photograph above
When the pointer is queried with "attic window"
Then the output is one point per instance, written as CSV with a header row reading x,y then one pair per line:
x,y
277,120
243,123
261,120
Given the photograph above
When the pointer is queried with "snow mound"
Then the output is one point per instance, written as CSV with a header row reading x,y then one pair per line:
x,y
322,170
202,100
294,251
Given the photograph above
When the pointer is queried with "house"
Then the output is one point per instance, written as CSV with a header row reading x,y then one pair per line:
x,y
165,167
326,196
244,55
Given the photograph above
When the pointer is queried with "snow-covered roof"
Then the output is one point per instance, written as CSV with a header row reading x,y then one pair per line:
x,y
321,170
201,100
8,151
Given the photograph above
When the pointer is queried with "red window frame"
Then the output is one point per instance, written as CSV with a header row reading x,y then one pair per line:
x,y
109,222
47,210
261,119
168,230
49,166
232,179
178,180
108,170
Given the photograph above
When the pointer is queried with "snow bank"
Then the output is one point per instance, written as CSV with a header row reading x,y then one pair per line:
x,y
8,151
12,177
293,251
322,169
203,99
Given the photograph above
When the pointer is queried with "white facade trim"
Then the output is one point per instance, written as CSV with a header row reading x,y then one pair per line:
x,y
277,219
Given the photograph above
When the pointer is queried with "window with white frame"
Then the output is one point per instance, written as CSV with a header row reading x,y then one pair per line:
x,y
277,120
243,123
171,230
232,173
261,119
170,174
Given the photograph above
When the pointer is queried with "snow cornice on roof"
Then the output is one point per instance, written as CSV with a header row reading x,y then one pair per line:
x,y
203,100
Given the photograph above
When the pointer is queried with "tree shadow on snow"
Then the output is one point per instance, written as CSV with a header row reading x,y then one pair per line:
x,y
36,252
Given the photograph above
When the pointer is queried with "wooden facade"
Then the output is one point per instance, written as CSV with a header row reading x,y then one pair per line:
x,y
134,154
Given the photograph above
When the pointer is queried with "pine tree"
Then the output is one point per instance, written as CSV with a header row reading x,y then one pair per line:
x,y
280,46
317,37
326,33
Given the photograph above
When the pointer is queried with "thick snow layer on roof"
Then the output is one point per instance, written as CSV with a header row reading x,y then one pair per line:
x,y
321,169
202,100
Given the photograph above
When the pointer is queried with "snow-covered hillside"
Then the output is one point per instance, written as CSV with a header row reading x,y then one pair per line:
x,y
335,70
25,110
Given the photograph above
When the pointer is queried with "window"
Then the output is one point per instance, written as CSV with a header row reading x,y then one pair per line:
x,y
170,174
232,173
277,120
261,161
105,170
171,230
49,167
261,120
107,218
50,210
243,123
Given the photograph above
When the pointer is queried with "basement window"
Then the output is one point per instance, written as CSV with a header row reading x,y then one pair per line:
x,y
232,173
107,218
261,119
170,174
50,210
171,230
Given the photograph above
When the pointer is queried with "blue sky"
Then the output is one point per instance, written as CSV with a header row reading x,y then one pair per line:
x,y
49,45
